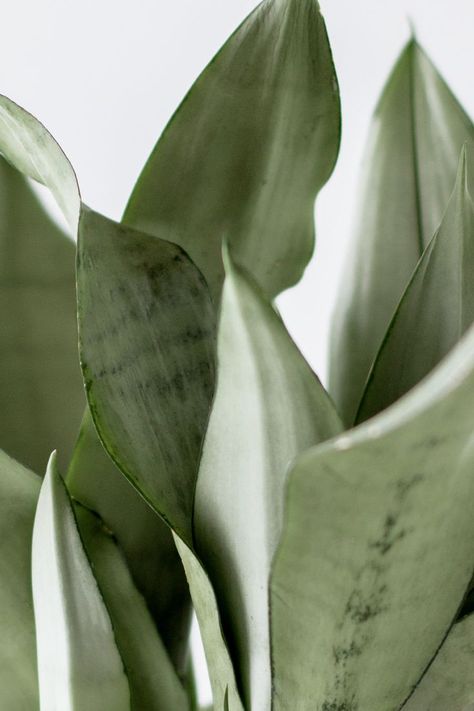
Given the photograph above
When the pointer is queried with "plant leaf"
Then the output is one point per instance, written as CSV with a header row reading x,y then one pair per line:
x,y
437,306
154,685
448,682
268,407
248,150
79,666
146,337
145,540
40,378
221,671
378,549
411,160
19,489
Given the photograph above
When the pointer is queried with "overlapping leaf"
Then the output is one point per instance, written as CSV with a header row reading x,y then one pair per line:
x,y
448,683
248,150
79,666
378,549
410,167
269,406
437,306
19,489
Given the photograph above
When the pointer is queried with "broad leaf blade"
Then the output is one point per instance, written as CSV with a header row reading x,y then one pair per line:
x,y
154,685
248,150
378,549
40,378
448,683
437,306
79,666
147,350
221,671
146,541
410,167
268,407
19,489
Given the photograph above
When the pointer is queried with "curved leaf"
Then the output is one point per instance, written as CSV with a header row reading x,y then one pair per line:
x,y
79,666
378,549
154,685
437,306
448,683
268,407
415,140
40,378
248,150
146,541
19,489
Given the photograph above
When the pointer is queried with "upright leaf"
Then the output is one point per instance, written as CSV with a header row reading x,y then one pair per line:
x,y
437,306
40,379
248,150
79,666
268,407
154,685
19,489
410,167
377,550
146,541
448,683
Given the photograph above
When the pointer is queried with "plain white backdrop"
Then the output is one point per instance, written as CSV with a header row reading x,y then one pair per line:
x,y
104,76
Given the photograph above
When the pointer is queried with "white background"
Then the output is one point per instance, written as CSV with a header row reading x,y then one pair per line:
x,y
105,75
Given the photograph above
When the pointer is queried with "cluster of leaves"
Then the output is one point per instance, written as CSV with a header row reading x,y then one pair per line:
x,y
327,568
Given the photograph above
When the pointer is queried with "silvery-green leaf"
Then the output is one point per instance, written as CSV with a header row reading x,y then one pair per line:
x,y
146,541
409,171
79,666
146,334
154,684
448,685
377,550
221,670
248,150
19,489
269,406
437,306
40,379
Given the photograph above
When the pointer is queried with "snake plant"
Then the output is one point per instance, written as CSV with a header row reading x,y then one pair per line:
x,y
325,540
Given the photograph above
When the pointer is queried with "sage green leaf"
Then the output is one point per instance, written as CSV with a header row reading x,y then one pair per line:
x,y
147,349
410,167
40,378
248,150
154,685
145,540
448,683
221,671
19,489
79,666
437,306
269,406
377,550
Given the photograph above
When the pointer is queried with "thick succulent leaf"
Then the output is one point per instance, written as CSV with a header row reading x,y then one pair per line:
x,y
410,167
40,378
154,685
145,540
269,406
437,306
248,150
221,671
79,666
146,331
19,489
448,684
377,550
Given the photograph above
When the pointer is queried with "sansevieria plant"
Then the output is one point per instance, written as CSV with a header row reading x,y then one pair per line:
x,y
326,540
